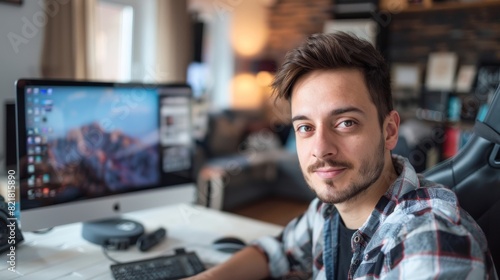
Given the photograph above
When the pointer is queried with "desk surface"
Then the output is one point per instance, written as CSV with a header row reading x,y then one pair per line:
x,y
63,254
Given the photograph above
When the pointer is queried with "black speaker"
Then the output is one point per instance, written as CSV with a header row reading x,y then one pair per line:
x,y
10,137
10,234
198,28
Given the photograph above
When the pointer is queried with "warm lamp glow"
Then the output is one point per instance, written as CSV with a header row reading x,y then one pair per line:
x,y
249,30
264,80
246,92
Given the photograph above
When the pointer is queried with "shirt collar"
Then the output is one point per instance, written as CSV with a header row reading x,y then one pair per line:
x,y
406,181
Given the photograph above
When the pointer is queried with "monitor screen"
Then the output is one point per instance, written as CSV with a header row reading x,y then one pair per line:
x,y
95,150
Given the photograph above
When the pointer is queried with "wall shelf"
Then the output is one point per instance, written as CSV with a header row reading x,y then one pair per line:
x,y
398,6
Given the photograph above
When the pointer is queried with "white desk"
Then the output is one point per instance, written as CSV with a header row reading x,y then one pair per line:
x,y
63,254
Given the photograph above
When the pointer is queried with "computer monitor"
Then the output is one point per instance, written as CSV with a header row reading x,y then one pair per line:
x,y
94,150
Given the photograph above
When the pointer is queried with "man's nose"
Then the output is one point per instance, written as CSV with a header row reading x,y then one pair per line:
x,y
324,144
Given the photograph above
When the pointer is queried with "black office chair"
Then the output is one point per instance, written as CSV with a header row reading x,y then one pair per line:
x,y
474,175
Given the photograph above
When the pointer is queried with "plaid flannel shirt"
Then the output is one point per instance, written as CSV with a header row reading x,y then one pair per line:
x,y
416,231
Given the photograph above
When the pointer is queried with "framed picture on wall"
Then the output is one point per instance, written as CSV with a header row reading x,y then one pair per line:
x,y
465,78
441,69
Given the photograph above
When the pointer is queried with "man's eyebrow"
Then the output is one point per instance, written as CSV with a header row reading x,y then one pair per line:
x,y
335,112
340,111
299,118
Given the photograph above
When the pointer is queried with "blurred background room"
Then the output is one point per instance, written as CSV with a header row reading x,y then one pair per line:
x,y
444,57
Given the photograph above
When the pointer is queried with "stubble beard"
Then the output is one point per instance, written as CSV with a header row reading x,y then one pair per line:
x,y
369,172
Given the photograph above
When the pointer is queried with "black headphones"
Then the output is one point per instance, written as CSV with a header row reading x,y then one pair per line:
x,y
10,234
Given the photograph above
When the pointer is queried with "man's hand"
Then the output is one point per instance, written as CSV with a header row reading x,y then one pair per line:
x,y
247,264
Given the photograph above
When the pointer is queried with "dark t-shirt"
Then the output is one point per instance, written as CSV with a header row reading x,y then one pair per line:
x,y
345,252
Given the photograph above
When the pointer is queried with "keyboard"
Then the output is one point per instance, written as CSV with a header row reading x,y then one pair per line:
x,y
182,264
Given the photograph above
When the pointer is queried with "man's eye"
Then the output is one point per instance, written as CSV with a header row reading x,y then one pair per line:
x,y
347,123
303,128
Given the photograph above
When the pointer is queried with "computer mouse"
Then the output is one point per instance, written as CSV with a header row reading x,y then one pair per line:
x,y
228,244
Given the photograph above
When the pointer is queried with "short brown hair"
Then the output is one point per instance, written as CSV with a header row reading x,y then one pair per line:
x,y
336,51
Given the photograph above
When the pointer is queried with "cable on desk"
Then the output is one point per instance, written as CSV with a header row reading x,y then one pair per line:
x,y
43,231
105,252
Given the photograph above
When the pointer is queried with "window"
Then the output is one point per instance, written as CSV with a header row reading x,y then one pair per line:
x,y
113,50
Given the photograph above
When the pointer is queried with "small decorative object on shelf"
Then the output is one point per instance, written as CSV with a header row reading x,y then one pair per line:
x,y
454,108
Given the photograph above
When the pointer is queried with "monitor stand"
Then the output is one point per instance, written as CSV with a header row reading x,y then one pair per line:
x,y
113,234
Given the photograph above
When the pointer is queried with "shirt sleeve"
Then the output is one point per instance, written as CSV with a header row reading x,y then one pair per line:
x,y
291,251
435,248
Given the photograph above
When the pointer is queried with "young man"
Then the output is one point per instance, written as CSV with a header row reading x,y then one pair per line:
x,y
374,217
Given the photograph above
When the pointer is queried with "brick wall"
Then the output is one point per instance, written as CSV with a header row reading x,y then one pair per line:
x,y
291,21
472,33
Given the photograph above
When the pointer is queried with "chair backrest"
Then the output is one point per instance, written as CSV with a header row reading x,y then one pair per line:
x,y
474,174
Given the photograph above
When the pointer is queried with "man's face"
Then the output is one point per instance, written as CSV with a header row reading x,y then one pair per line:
x,y
340,143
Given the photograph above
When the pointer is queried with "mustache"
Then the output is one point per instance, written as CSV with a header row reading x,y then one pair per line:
x,y
328,163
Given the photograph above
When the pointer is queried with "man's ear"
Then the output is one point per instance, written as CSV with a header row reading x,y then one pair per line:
x,y
391,130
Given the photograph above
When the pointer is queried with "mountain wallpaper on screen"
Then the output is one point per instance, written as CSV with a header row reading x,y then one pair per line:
x,y
95,162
